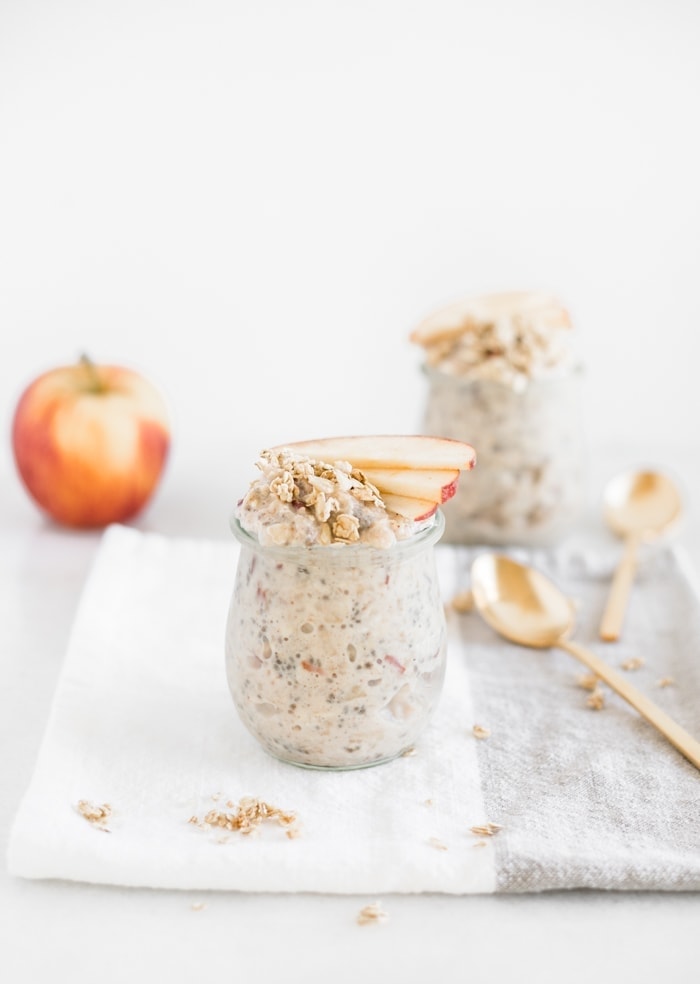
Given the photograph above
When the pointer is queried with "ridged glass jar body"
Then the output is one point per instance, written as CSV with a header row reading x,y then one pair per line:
x,y
335,655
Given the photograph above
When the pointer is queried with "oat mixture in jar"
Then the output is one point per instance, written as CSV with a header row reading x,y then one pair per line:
x,y
335,639
502,368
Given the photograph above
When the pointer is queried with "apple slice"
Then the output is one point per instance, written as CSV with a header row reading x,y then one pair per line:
x,y
399,451
433,485
408,507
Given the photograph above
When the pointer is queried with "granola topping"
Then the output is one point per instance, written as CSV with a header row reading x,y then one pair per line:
x,y
297,501
508,338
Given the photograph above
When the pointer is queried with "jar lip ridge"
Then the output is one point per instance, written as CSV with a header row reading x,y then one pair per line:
x,y
425,537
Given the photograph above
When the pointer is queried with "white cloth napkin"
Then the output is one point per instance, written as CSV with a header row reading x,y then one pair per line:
x,y
142,721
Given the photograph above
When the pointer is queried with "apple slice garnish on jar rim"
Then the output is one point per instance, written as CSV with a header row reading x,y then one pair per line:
x,y
430,484
414,473
408,507
389,451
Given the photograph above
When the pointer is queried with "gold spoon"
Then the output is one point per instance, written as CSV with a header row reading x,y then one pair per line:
x,y
524,606
637,506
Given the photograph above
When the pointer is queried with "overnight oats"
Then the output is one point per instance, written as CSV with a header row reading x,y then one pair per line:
x,y
501,368
335,639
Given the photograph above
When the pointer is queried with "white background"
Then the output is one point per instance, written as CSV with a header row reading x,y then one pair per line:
x,y
254,203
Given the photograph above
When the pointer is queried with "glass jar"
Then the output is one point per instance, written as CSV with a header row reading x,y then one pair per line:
x,y
335,655
529,484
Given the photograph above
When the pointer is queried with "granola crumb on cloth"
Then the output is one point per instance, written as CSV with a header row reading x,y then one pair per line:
x,y
488,829
371,914
98,816
596,699
247,817
463,602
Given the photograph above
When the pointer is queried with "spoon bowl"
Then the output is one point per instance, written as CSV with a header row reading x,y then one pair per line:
x,y
638,506
525,607
641,503
519,602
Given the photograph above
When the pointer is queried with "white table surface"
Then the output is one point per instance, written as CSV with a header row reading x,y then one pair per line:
x,y
63,931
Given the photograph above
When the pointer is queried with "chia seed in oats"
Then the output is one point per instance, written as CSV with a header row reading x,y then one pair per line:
x,y
335,645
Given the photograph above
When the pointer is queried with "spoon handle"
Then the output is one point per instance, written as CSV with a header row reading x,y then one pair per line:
x,y
679,738
614,614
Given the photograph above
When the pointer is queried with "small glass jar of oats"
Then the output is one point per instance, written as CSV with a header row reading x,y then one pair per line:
x,y
335,638
501,369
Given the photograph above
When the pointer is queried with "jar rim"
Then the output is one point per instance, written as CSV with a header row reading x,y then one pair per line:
x,y
344,552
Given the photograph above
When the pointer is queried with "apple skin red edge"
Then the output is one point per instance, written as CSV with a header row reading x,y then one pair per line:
x,y
449,490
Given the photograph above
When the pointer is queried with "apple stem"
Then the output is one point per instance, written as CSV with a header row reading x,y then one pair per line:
x,y
95,383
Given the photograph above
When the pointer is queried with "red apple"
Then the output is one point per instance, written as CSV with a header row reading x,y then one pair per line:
x,y
90,443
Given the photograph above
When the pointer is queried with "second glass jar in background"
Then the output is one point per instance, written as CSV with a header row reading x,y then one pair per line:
x,y
529,484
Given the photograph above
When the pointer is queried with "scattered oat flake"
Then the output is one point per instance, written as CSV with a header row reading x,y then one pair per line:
x,y
248,816
479,731
428,802
97,815
437,844
587,681
596,700
634,663
665,682
372,913
463,602
198,906
409,752
486,829
480,843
